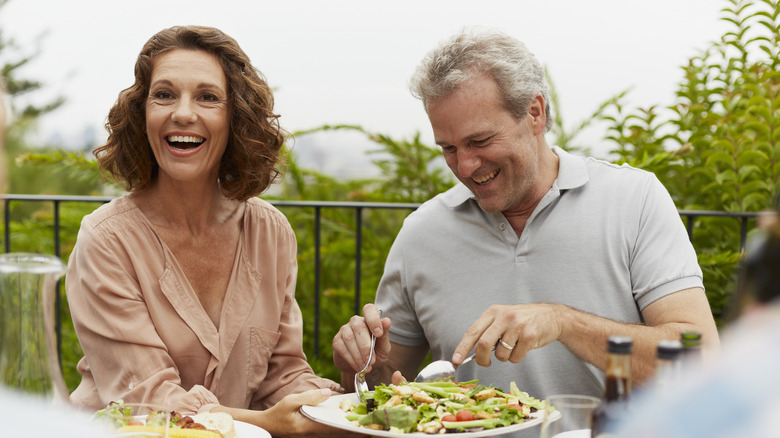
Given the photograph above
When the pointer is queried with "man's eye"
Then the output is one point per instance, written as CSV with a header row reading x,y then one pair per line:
x,y
448,149
483,141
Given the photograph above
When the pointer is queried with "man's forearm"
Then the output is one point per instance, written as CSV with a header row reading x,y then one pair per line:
x,y
586,334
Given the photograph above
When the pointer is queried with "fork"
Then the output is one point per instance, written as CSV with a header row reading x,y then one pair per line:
x,y
360,378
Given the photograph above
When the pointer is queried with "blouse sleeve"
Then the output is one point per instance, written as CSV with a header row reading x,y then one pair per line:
x,y
124,357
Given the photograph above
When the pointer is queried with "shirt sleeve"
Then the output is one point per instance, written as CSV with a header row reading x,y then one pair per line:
x,y
663,260
393,296
115,330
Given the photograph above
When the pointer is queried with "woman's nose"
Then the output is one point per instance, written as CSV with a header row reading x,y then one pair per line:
x,y
184,112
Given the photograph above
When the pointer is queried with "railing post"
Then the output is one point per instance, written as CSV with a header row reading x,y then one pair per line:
x,y
7,219
690,227
317,213
358,255
742,234
58,294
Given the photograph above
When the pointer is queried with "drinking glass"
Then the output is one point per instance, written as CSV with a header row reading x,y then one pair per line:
x,y
28,348
569,416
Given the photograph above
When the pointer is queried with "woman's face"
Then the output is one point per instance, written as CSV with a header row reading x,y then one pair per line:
x,y
187,115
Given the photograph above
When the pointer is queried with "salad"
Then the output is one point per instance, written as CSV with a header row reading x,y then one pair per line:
x,y
121,418
119,415
440,407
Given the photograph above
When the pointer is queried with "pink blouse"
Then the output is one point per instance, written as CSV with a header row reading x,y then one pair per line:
x,y
146,337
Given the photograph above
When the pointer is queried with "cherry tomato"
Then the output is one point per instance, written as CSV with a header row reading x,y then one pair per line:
x,y
464,415
449,417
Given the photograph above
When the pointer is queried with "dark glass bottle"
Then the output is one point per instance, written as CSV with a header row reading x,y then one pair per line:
x,y
617,387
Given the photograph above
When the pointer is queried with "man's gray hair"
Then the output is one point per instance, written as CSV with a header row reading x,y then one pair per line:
x,y
469,54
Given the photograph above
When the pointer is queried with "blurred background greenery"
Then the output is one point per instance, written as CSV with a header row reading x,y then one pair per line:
x,y
715,147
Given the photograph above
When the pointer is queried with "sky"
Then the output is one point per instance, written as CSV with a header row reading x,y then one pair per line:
x,y
349,61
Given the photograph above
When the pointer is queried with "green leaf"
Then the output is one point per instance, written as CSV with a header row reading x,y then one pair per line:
x,y
720,157
753,187
399,418
749,171
756,202
751,156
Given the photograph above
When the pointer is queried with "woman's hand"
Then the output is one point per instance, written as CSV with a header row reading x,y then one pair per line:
x,y
285,419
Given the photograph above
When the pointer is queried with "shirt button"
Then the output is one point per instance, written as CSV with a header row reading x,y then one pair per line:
x,y
501,226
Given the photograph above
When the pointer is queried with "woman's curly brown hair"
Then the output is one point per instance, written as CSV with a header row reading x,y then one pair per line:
x,y
249,164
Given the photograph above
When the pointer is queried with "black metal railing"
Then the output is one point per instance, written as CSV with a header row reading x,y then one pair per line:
x,y
690,217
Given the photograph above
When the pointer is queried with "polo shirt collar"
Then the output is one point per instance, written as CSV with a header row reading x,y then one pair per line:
x,y
572,173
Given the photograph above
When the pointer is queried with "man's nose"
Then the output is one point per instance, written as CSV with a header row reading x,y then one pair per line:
x,y
468,161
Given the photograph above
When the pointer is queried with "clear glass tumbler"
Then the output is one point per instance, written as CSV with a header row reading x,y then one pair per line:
x,y
569,416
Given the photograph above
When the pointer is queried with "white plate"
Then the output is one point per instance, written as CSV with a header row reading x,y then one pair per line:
x,y
243,430
328,412
246,430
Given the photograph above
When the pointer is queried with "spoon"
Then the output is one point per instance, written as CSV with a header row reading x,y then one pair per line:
x,y
441,370
360,378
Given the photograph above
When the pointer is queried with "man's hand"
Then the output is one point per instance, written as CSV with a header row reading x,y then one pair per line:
x,y
352,344
513,330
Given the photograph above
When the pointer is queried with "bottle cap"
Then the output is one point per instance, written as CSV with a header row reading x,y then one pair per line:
x,y
690,339
619,344
668,349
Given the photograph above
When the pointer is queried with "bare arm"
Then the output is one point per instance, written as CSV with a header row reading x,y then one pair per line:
x,y
687,310
530,326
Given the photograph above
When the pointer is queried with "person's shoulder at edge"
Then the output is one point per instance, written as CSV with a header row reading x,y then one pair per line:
x,y
106,214
618,178
427,214
263,209
620,168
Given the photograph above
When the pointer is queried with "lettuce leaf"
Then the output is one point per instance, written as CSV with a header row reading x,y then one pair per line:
x,y
399,418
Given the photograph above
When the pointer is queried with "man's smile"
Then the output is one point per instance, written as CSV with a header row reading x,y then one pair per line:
x,y
482,180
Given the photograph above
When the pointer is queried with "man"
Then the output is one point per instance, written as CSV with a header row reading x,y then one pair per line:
x,y
537,253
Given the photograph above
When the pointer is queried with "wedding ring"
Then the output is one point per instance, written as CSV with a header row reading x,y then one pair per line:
x,y
505,345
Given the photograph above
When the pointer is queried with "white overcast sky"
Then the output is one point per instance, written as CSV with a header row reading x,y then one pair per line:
x,y
334,61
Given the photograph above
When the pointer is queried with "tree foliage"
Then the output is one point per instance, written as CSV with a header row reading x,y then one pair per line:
x,y
717,146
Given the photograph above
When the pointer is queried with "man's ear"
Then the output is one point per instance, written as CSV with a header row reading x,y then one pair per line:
x,y
537,114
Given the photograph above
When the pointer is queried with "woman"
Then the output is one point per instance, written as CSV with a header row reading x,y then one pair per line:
x,y
182,291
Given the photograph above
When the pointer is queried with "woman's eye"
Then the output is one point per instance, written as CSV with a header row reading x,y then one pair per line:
x,y
208,97
162,94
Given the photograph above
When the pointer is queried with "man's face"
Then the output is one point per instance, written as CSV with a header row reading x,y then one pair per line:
x,y
497,156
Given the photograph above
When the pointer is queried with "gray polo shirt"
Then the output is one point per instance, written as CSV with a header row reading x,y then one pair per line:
x,y
605,239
